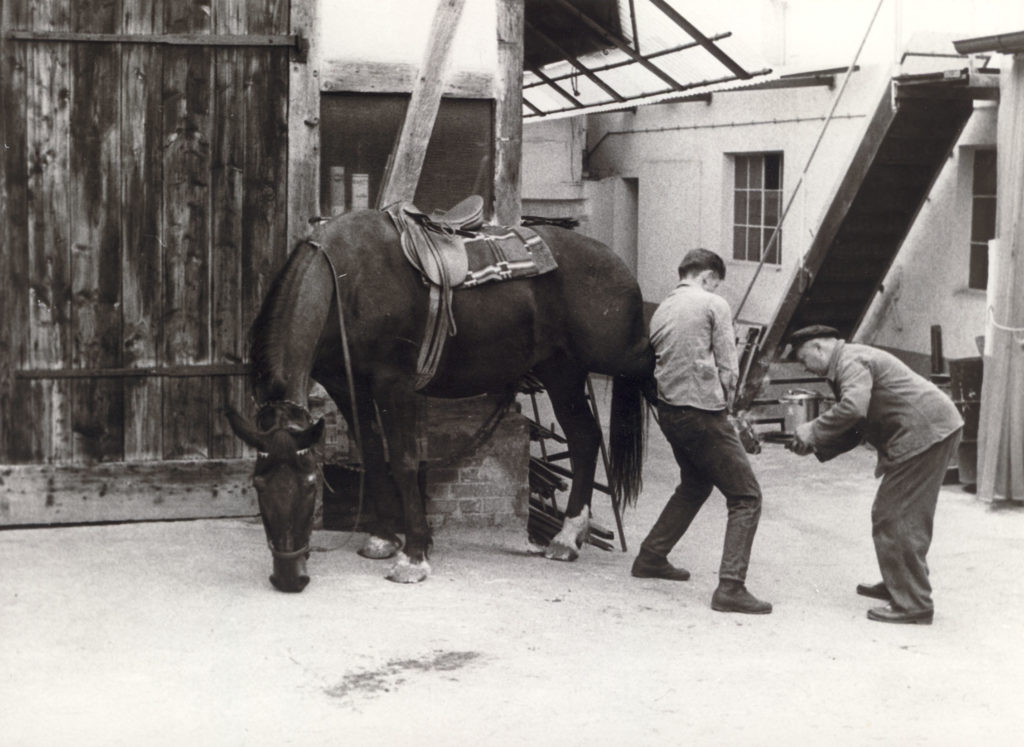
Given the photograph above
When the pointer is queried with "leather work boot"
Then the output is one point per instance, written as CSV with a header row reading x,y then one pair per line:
x,y
732,596
875,591
889,614
649,565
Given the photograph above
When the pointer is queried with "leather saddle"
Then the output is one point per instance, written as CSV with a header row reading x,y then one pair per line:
x,y
438,251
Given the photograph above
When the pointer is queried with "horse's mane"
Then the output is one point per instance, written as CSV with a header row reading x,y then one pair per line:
x,y
267,335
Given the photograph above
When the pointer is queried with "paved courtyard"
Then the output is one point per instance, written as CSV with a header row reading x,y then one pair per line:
x,y
170,634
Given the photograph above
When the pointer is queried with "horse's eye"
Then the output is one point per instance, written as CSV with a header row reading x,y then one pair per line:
x,y
311,479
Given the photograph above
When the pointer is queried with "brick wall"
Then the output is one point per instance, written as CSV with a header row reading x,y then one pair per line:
x,y
487,487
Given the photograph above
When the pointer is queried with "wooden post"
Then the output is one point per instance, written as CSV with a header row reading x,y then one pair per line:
x,y
508,96
403,173
303,123
1001,433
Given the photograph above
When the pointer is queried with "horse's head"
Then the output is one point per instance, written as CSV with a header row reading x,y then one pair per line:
x,y
286,480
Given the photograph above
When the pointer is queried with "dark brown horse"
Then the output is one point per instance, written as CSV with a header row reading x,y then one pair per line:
x,y
584,316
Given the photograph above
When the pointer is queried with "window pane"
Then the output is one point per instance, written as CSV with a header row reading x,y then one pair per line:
x,y
773,171
755,209
978,276
771,208
984,172
740,211
983,219
754,244
739,243
772,253
756,172
742,165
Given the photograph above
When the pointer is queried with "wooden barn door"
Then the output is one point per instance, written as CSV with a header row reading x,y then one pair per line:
x,y
145,208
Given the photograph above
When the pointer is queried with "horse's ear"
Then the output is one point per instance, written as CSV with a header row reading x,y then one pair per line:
x,y
310,436
243,429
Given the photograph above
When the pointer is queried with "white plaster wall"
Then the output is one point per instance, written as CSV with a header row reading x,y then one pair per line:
x,y
680,155
396,31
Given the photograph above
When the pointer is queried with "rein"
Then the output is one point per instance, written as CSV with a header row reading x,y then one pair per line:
x,y
356,434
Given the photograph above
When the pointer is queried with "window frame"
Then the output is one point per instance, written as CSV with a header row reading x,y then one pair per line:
x,y
757,191
980,235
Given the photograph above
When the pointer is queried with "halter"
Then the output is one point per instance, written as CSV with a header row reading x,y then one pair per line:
x,y
292,555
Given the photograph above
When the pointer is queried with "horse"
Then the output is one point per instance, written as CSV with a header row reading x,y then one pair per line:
x,y
348,311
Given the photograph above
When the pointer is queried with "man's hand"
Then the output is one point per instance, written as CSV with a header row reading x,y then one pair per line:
x,y
729,381
802,440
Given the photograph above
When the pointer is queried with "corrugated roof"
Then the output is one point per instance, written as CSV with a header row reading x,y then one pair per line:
x,y
660,50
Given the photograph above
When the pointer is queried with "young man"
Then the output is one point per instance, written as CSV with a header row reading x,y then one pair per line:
x,y
696,372
915,429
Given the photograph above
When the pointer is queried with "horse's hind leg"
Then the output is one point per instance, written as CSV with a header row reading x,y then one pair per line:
x,y
566,387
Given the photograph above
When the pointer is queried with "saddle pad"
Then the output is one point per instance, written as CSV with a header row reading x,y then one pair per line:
x,y
498,253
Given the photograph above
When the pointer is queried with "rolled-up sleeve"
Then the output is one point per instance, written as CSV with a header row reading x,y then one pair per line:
x,y
854,383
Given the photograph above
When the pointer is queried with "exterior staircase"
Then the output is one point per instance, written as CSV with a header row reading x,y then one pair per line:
x,y
914,128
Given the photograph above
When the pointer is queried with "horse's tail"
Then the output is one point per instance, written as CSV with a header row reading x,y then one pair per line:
x,y
627,430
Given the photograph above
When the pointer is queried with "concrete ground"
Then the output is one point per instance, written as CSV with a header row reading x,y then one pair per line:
x,y
170,634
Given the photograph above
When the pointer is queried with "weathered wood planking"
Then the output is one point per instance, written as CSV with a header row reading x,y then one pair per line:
x,y
144,197
142,224
45,428
188,82
508,118
117,491
94,187
14,64
304,124
228,339
389,77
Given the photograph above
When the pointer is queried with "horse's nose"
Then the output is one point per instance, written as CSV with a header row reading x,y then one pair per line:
x,y
289,574
289,583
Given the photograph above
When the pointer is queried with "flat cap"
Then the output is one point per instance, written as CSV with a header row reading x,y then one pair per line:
x,y
804,334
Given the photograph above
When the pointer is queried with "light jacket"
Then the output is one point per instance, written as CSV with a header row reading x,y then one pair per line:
x,y
897,411
694,345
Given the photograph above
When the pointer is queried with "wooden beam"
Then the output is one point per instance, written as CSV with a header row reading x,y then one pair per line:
x,y
603,33
403,172
557,88
303,124
173,40
574,62
508,101
119,491
704,41
348,76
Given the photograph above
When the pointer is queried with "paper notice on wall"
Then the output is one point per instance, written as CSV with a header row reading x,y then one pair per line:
x,y
360,191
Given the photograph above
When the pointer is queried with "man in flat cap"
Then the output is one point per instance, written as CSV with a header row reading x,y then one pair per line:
x,y
915,429
696,371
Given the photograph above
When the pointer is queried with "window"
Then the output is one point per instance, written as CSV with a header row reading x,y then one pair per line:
x,y
983,217
757,206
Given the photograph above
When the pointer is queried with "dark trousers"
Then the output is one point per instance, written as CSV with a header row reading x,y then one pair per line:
x,y
901,523
709,455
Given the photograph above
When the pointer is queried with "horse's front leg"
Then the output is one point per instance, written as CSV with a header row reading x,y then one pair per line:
x,y
572,409
379,491
401,412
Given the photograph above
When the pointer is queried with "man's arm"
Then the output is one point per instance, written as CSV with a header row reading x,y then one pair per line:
x,y
723,344
832,432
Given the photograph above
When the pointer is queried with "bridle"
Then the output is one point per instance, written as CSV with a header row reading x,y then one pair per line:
x,y
304,550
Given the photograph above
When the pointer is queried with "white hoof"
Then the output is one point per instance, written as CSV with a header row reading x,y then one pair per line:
x,y
570,538
377,548
557,551
406,572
